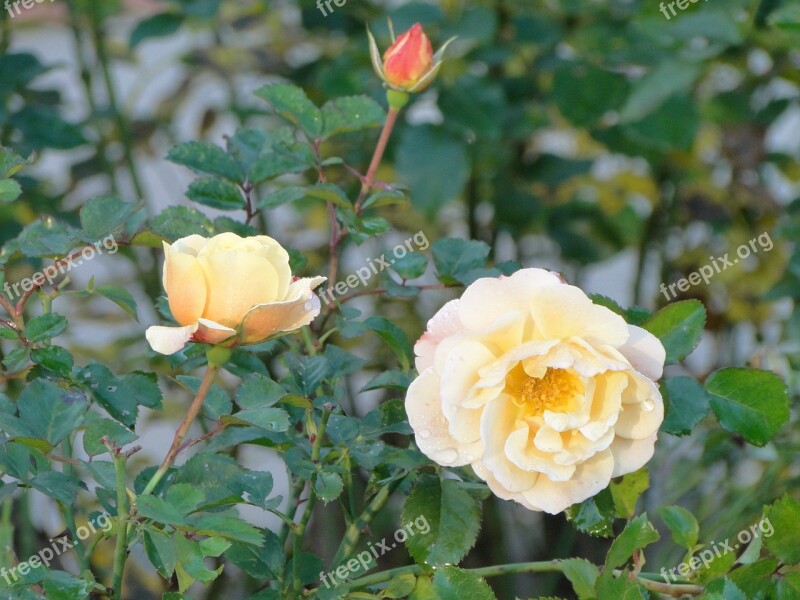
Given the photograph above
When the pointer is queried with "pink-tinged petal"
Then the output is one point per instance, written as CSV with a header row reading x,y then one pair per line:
x,y
645,352
266,320
443,324
632,455
185,283
590,478
209,332
490,298
237,282
169,340
424,409
409,58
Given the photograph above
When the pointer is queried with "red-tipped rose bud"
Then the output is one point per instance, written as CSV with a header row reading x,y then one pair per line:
x,y
409,65
408,59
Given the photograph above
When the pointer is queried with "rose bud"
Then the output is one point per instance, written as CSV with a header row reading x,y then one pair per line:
x,y
409,65
231,291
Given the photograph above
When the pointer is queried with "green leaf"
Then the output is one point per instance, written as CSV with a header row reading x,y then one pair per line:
x,y
784,519
679,326
330,193
228,527
264,562
158,509
291,103
285,195
686,403
119,296
118,434
626,492
328,486
308,371
452,515
423,155
58,486
160,549
749,402
457,259
594,516
582,575
10,190
350,113
269,419
652,90
411,266
620,588
216,193
723,589
45,327
177,222
682,525
638,534
452,583
50,412
102,215
203,157
54,358
394,337
160,25
754,579
258,391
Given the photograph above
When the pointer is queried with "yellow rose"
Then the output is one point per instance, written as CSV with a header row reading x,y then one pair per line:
x,y
231,290
546,394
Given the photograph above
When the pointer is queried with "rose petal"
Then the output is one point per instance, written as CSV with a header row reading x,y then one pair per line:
x,y
640,420
169,340
590,478
237,281
210,332
645,352
185,284
425,416
488,299
444,323
498,421
632,455
266,320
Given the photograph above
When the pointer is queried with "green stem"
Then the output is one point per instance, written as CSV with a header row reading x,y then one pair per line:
x,y
353,533
124,132
550,566
301,526
123,515
69,511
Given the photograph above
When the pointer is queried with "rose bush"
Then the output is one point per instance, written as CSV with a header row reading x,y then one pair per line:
x,y
546,394
231,290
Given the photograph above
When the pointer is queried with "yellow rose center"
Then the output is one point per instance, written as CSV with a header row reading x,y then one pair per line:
x,y
555,391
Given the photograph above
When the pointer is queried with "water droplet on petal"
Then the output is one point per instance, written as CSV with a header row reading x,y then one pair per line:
x,y
448,455
424,434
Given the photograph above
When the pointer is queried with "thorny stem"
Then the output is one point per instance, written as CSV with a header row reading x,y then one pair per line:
x,y
338,234
301,526
180,434
123,515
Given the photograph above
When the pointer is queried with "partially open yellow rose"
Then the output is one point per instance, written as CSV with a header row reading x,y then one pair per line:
x,y
546,394
231,290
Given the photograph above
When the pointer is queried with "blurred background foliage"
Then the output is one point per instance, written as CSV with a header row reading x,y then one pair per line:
x,y
595,137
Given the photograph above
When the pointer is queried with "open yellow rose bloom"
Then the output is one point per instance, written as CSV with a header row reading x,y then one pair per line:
x,y
546,394
231,290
